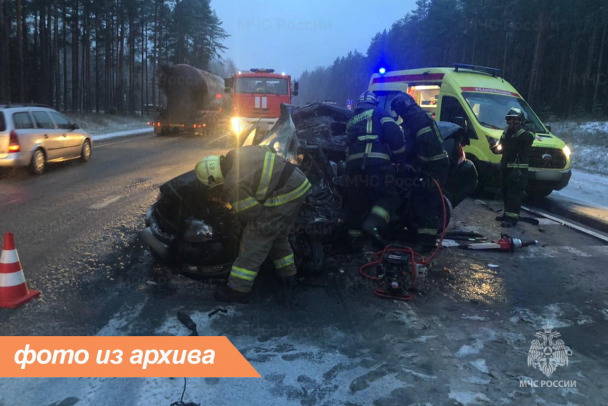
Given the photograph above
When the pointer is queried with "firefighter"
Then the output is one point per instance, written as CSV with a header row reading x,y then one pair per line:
x,y
266,191
516,143
374,142
424,151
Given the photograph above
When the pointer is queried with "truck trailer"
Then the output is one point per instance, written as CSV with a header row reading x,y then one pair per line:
x,y
194,100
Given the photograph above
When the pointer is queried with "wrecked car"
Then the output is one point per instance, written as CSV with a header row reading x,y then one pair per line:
x,y
192,229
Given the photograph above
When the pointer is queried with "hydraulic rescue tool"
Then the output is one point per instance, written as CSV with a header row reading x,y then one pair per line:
x,y
505,243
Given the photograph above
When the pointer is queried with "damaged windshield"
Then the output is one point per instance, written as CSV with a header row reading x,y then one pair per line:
x,y
490,110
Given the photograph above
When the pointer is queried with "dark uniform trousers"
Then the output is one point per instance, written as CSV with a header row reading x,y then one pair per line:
x,y
428,154
514,170
373,186
513,183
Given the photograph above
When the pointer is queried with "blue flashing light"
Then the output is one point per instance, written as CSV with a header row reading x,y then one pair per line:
x,y
382,71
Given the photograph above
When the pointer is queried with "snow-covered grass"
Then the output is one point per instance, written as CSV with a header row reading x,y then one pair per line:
x,y
588,142
108,123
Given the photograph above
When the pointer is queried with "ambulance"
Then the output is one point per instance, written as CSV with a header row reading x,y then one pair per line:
x,y
477,98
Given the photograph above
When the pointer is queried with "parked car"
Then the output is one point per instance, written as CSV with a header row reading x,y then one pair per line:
x,y
32,136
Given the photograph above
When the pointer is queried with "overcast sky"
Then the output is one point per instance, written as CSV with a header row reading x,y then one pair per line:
x,y
294,36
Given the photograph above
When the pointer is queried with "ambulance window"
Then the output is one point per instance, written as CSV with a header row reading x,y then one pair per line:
x,y
450,109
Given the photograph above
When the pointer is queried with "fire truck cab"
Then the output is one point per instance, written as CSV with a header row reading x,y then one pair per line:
x,y
256,98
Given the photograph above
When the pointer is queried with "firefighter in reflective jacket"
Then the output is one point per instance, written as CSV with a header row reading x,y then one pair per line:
x,y
424,151
266,192
374,142
516,143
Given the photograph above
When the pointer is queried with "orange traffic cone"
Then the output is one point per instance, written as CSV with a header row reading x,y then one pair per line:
x,y
13,288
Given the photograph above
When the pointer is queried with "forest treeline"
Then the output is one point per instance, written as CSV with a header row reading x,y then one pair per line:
x,y
552,51
100,55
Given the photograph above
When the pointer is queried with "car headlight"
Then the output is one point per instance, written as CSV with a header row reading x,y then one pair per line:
x,y
237,125
495,144
567,151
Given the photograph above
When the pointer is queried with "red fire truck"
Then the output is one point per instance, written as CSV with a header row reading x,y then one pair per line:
x,y
256,98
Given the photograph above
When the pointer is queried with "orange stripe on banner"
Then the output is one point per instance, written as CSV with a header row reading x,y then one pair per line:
x,y
123,357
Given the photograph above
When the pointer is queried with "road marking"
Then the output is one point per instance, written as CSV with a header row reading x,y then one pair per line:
x,y
105,203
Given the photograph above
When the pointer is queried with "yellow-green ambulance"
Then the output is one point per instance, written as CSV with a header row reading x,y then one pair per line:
x,y
480,97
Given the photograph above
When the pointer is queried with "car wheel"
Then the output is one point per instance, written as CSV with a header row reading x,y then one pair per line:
x,y
308,254
38,162
85,154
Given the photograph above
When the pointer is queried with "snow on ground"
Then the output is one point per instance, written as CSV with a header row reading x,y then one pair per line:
x,y
108,123
588,141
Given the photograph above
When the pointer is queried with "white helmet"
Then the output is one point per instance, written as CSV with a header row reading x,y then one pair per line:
x,y
209,172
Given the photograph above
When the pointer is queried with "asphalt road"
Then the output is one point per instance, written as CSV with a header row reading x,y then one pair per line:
x,y
463,340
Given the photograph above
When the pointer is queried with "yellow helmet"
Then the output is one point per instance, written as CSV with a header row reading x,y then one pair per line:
x,y
209,172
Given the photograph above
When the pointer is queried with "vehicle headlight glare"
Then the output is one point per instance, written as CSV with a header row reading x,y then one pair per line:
x,y
567,151
236,124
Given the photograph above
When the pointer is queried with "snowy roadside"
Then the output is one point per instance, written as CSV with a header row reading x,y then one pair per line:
x,y
588,142
109,125
139,131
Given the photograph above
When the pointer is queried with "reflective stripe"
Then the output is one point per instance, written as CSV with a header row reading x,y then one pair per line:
x,y
427,231
283,262
385,119
423,131
11,279
512,215
399,151
244,204
242,273
288,197
433,158
520,132
370,124
520,166
267,170
361,117
355,233
9,257
378,155
370,137
381,212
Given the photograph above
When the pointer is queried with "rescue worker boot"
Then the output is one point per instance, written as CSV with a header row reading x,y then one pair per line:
x,y
425,244
224,293
508,222
372,226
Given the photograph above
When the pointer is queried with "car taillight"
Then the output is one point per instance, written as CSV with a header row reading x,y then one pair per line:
x,y
13,142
